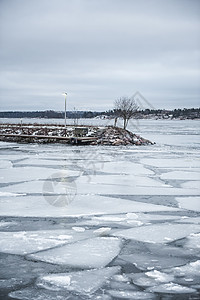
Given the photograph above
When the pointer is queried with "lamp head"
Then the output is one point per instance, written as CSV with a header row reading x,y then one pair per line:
x,y
64,94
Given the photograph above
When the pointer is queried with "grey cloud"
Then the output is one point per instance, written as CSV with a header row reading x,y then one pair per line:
x,y
97,51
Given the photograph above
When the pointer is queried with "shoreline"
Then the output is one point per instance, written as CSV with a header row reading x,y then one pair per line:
x,y
74,135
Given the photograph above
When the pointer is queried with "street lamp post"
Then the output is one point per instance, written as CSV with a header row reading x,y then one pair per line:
x,y
65,94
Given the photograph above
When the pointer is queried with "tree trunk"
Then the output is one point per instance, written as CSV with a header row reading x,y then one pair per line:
x,y
125,123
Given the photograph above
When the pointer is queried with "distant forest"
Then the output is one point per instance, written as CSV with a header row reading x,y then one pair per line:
x,y
186,113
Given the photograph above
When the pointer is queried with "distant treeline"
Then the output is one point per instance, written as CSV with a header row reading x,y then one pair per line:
x,y
186,113
50,114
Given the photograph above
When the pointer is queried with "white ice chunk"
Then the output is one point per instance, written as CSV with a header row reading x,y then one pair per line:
x,y
192,268
181,175
128,219
78,229
83,205
33,173
44,162
195,220
12,283
24,242
149,261
193,241
8,194
160,276
84,186
191,203
124,180
5,164
144,188
172,162
7,224
131,295
124,167
102,231
171,288
35,294
83,282
158,233
192,185
83,254
151,278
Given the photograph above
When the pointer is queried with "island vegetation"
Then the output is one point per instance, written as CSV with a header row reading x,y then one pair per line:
x,y
181,114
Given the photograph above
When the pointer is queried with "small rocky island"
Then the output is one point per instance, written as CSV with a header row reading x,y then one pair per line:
x,y
77,135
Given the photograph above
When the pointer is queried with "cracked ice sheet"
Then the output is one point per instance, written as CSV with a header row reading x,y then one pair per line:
x,y
84,254
171,288
151,278
190,203
171,163
131,295
43,162
195,220
181,175
192,241
162,233
88,187
83,282
149,261
128,219
83,205
32,173
192,185
24,242
33,294
5,164
144,189
125,180
124,167
192,268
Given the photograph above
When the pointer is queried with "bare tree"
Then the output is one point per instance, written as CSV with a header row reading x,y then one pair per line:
x,y
125,108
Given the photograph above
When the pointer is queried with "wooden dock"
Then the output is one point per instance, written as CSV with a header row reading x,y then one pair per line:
x,y
70,140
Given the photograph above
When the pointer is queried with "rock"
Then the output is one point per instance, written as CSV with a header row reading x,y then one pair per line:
x,y
104,136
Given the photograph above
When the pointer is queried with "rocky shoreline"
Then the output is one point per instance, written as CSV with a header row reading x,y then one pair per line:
x,y
92,135
117,136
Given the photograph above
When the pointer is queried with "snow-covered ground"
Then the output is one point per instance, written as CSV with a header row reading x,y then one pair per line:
x,y
101,222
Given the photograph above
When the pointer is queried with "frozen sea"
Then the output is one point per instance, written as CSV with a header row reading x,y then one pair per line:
x,y
102,222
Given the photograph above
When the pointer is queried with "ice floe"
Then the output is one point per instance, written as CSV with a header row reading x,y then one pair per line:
x,y
181,175
159,233
171,288
84,254
129,219
32,173
36,294
24,242
83,205
151,278
193,241
192,185
12,283
83,282
125,167
192,268
83,185
8,194
7,224
190,203
172,162
131,295
148,261
5,164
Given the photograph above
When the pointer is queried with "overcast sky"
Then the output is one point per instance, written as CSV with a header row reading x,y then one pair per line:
x,y
98,51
